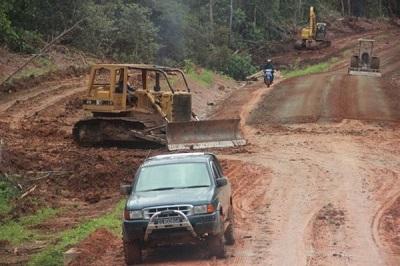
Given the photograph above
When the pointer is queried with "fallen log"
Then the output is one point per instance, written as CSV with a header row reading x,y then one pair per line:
x,y
42,51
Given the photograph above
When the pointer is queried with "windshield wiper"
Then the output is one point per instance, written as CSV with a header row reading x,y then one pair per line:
x,y
170,188
195,186
161,188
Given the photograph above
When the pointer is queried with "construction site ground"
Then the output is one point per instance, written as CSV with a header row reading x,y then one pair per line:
x,y
318,183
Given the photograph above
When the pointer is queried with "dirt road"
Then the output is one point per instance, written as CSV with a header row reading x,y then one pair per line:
x,y
319,183
335,96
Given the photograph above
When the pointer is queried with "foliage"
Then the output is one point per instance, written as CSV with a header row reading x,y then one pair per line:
x,y
17,232
313,69
239,67
208,32
7,193
42,66
53,255
119,30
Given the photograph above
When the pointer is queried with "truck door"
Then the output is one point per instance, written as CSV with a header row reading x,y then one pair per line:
x,y
223,192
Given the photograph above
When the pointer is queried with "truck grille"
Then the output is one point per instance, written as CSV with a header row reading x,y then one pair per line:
x,y
185,209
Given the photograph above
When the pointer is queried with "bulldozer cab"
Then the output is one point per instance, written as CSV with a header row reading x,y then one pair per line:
x,y
365,52
115,88
364,62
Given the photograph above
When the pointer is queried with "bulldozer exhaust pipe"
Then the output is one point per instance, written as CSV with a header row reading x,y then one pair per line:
x,y
204,134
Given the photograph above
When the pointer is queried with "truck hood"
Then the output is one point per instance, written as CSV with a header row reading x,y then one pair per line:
x,y
192,196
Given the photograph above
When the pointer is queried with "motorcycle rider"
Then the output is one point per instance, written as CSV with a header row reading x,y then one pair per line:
x,y
269,66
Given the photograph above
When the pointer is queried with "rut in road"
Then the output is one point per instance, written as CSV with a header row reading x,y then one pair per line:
x,y
326,196
323,197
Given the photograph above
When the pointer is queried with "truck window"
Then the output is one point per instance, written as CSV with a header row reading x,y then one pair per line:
x,y
102,76
119,80
214,168
219,168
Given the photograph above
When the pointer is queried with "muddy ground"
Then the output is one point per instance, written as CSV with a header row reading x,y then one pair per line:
x,y
318,183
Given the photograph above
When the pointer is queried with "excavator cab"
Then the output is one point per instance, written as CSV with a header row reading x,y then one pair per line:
x,y
320,34
314,36
146,103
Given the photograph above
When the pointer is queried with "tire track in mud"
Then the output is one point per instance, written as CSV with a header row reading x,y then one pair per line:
x,y
310,174
25,95
251,209
39,103
386,229
326,238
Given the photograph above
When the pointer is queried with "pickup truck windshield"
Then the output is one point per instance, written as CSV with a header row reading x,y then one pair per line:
x,y
173,176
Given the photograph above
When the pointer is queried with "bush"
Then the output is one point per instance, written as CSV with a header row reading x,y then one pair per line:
x,y
239,67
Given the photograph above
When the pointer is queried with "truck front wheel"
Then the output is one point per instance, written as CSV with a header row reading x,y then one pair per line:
x,y
229,232
133,252
217,246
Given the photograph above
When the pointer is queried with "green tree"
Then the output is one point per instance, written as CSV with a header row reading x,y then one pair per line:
x,y
119,30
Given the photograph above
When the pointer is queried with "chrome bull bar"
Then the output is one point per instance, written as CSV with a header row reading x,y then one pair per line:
x,y
180,221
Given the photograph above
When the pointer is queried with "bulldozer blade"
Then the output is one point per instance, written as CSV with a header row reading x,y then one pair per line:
x,y
359,72
204,134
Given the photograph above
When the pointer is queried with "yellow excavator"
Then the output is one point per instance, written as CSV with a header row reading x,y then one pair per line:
x,y
314,36
148,104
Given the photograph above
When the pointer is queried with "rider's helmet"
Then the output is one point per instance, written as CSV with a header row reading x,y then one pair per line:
x,y
269,60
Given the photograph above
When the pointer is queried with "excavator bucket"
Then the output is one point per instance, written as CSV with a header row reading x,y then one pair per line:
x,y
204,134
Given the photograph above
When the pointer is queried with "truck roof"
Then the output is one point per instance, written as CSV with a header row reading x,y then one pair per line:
x,y
136,66
178,157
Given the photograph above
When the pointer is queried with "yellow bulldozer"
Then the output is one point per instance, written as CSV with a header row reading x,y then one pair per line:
x,y
364,62
314,36
148,104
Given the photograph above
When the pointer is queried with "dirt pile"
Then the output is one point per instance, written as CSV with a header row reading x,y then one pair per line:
x,y
390,226
331,216
92,249
351,25
327,236
32,80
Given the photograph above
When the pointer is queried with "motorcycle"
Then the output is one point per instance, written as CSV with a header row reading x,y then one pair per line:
x,y
268,77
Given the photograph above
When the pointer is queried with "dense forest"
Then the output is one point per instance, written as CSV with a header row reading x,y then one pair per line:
x,y
213,33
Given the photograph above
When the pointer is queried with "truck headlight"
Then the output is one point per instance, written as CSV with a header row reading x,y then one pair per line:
x,y
133,215
202,209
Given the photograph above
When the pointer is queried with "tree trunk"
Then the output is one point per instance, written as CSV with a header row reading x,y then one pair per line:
x,y
212,16
298,11
230,21
255,16
342,3
349,8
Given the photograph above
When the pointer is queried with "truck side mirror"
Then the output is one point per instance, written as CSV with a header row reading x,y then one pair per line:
x,y
222,182
126,189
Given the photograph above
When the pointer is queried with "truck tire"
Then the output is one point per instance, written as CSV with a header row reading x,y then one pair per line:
x,y
132,252
354,61
229,232
375,63
217,246
229,235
